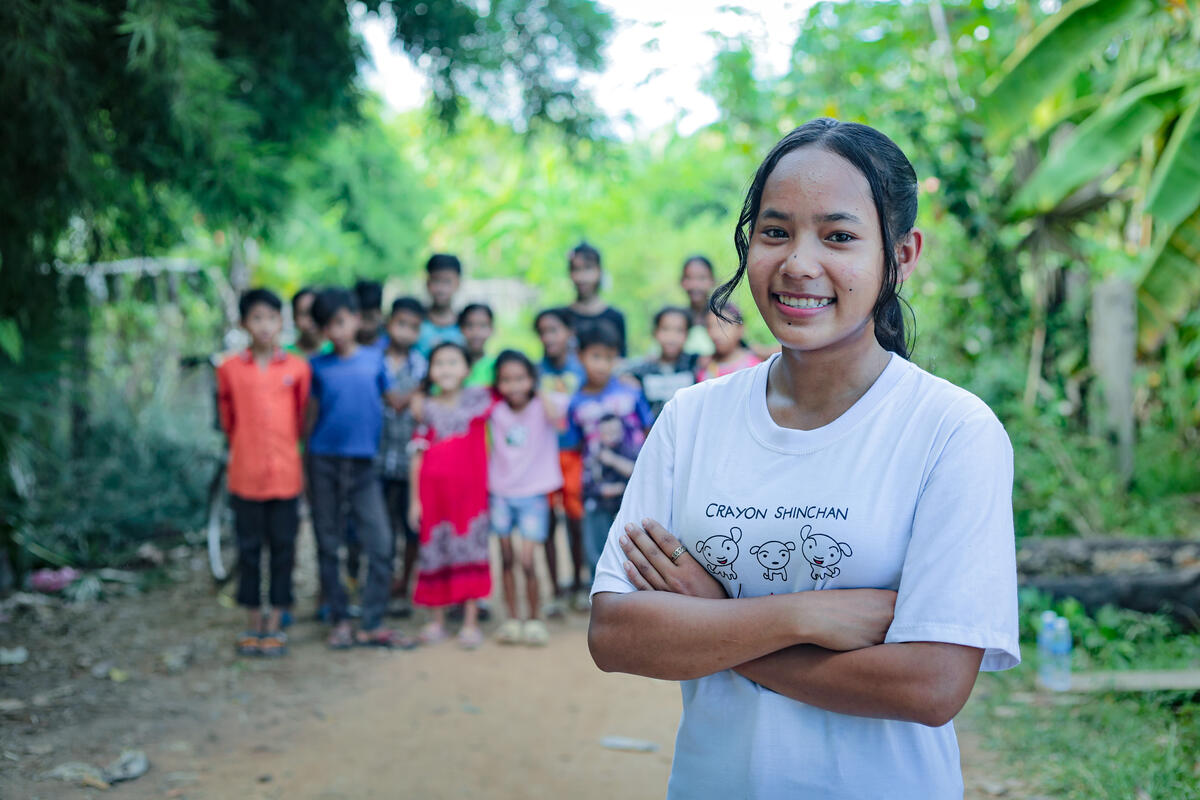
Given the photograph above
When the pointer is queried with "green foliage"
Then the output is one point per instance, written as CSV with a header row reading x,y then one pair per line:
x,y
1111,745
521,60
1113,638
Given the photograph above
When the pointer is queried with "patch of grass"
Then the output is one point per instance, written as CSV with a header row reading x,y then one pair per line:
x,y
1105,745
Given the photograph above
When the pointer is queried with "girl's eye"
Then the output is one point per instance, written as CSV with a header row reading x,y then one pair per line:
x,y
841,237
774,233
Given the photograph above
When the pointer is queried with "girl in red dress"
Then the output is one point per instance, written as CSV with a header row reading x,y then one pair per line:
x,y
449,496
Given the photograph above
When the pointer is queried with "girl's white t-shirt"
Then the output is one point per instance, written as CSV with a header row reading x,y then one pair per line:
x,y
910,489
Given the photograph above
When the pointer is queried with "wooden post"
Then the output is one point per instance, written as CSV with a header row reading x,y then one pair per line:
x,y
1113,350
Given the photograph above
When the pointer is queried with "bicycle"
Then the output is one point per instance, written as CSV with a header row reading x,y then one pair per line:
x,y
220,539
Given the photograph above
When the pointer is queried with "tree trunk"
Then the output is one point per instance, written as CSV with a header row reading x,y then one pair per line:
x,y
1113,347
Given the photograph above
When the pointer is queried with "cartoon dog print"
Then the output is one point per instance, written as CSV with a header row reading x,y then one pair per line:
x,y
823,553
720,551
774,558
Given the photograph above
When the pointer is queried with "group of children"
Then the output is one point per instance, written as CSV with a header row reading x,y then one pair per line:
x,y
404,427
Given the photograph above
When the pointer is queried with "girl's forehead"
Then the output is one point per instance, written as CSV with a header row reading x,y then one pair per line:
x,y
814,181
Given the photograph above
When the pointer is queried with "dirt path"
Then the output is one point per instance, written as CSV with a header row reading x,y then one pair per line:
x,y
497,723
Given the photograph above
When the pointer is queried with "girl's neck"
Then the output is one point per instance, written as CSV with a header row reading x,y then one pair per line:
x,y
448,396
396,351
797,399
519,406
701,311
730,355
559,361
669,361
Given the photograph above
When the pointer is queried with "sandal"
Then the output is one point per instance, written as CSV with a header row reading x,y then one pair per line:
x,y
249,644
509,632
432,633
470,638
274,644
385,638
340,638
534,633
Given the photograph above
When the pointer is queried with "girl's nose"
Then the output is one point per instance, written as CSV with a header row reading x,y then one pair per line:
x,y
802,261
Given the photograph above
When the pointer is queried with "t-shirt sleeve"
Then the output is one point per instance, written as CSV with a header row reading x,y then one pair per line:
x,y
645,415
383,377
959,579
649,493
225,399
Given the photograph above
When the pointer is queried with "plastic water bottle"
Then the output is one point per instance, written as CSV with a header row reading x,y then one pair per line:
x,y
1044,635
1054,652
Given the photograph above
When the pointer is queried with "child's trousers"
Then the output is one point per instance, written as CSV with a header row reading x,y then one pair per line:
x,y
272,523
341,487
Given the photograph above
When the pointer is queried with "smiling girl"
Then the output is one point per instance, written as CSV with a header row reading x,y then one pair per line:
x,y
826,638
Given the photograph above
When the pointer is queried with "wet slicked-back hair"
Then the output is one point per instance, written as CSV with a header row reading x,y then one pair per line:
x,y
893,183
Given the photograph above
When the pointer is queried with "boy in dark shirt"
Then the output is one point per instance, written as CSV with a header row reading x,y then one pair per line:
x,y
347,409
589,307
661,376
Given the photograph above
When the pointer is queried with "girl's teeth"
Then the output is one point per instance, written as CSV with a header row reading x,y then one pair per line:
x,y
805,302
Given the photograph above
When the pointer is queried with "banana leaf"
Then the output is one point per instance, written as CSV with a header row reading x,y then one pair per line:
x,y
1174,191
1170,285
1102,142
1051,56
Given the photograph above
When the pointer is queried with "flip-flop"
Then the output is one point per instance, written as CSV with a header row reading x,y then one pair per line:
x,y
340,639
385,638
249,643
273,645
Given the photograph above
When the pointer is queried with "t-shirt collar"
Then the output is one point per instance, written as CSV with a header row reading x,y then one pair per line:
x,y
790,440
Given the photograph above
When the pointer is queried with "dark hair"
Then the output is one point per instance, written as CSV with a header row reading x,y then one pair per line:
x,y
893,183
559,314
443,261
253,297
369,294
586,251
471,309
427,381
515,357
665,310
599,333
697,258
301,292
408,304
331,301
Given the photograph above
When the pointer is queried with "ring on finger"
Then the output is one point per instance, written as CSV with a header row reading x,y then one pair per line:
x,y
677,552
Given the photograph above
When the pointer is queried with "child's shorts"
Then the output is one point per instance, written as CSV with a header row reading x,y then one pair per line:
x,y
571,495
529,515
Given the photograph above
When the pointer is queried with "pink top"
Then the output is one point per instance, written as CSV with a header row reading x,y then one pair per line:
x,y
715,370
524,458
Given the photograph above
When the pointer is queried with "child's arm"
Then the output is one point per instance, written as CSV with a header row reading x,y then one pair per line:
x,y
414,487
624,466
303,387
225,402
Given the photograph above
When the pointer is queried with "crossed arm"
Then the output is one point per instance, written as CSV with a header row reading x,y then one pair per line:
x,y
821,648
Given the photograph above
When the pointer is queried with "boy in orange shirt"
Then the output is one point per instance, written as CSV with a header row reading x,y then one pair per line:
x,y
262,393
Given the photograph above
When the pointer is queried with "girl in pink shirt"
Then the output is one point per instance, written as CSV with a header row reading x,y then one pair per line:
x,y
729,349
523,469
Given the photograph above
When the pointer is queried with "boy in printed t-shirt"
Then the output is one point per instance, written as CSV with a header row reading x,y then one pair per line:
x,y
560,376
347,408
261,396
601,396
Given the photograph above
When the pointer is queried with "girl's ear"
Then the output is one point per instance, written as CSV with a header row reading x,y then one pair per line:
x,y
908,252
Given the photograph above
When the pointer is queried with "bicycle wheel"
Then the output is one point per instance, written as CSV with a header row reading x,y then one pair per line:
x,y
222,544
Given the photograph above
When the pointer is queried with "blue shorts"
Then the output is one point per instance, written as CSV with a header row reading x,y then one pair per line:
x,y
529,515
